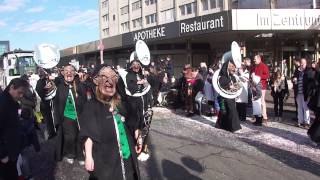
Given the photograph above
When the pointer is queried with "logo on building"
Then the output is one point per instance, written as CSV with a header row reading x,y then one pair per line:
x,y
212,24
150,34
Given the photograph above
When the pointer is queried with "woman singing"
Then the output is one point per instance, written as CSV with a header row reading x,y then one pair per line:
x,y
110,151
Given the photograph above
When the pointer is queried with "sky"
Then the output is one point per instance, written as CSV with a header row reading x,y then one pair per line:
x,y
65,23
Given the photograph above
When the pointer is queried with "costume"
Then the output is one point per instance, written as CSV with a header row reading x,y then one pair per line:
x,y
67,105
113,147
10,138
228,118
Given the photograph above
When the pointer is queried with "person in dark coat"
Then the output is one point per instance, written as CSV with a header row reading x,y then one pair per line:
x,y
10,139
109,147
45,104
228,118
303,78
154,81
138,104
67,105
279,91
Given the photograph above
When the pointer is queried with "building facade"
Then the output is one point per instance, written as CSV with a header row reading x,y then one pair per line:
x,y
192,31
4,47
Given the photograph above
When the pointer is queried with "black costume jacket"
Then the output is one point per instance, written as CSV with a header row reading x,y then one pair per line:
x,y
308,79
10,139
136,105
97,123
228,119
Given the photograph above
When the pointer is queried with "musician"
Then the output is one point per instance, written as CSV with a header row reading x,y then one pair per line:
x,y
137,105
67,105
109,147
45,106
228,118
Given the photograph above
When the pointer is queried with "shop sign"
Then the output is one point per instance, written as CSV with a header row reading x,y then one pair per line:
x,y
205,24
276,19
154,33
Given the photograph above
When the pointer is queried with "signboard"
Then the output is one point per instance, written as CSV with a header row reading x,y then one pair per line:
x,y
203,24
160,32
276,19
216,22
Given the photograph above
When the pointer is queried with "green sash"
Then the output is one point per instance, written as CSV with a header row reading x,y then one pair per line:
x,y
70,110
125,148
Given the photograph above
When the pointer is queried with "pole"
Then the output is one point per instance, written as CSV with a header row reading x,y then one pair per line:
x,y
101,47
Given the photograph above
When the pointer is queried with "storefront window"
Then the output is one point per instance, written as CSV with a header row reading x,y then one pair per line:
x,y
294,4
267,4
251,4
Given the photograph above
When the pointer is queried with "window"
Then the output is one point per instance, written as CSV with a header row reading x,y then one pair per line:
x,y
125,26
187,9
106,31
167,15
136,5
151,18
216,4
149,2
114,17
105,18
137,23
105,4
124,10
205,5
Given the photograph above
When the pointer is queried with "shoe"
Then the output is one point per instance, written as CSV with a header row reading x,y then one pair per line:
x,y
307,126
69,160
257,124
190,114
299,125
143,156
81,163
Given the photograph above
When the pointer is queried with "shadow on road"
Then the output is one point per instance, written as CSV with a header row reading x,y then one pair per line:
x,y
174,171
192,164
286,157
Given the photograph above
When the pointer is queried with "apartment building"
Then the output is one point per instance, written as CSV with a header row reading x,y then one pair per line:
x,y
192,31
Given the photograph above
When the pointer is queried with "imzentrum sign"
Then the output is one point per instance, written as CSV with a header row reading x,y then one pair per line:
x,y
276,19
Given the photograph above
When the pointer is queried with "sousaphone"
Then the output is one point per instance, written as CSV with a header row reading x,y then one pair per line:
x,y
47,56
142,54
234,55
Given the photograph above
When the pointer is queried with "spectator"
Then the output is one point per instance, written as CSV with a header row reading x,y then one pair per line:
x,y
165,86
10,139
242,100
262,71
256,99
279,90
303,78
169,67
203,70
296,66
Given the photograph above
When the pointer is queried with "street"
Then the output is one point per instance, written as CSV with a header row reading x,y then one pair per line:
x,y
192,148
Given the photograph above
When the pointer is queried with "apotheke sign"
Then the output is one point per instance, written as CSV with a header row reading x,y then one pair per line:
x,y
276,19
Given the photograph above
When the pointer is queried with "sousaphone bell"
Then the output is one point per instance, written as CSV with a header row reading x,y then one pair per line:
x,y
47,56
